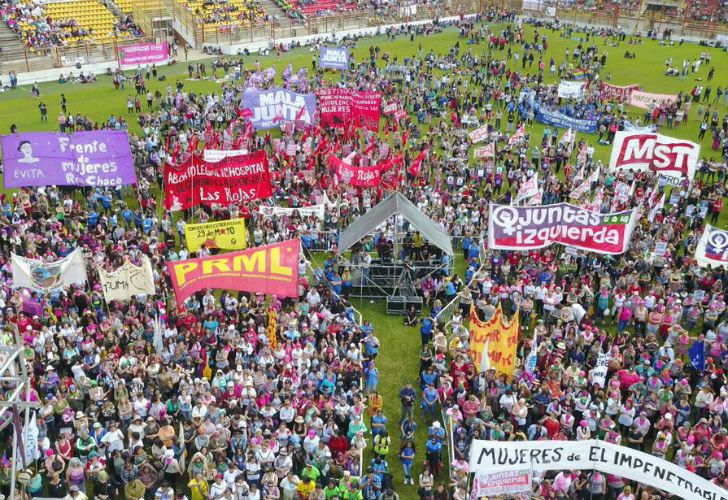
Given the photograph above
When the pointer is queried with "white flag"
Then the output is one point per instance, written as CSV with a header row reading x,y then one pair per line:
x,y
583,188
658,206
518,135
528,189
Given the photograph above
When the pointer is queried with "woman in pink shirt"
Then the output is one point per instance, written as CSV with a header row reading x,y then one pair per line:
x,y
626,494
471,407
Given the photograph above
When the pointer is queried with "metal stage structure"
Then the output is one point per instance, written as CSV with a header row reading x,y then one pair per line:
x,y
395,275
15,377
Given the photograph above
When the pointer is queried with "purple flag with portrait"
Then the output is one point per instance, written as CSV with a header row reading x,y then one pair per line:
x,y
94,158
334,58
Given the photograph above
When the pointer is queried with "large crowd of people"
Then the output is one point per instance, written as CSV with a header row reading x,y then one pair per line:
x,y
243,396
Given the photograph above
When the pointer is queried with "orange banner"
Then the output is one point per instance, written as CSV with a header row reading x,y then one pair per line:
x,y
269,269
493,343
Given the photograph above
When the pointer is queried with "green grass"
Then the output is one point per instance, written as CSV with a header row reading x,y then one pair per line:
x,y
398,362
99,100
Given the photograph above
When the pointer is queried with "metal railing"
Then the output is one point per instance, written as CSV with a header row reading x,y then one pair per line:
x,y
272,29
82,52
447,425
446,313
682,25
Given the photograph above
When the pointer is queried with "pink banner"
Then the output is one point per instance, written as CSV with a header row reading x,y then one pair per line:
x,y
643,100
340,107
266,269
143,53
609,92
363,177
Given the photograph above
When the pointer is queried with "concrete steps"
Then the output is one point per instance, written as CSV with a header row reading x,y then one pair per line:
x,y
12,48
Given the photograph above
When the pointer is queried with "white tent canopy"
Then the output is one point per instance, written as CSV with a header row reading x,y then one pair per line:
x,y
395,204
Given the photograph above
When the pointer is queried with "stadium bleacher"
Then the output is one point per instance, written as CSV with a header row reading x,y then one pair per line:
x,y
707,10
125,5
319,7
65,23
221,12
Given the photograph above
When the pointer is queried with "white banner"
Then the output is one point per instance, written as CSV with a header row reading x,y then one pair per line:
x,y
317,210
528,189
584,187
32,452
479,134
390,108
712,248
46,276
498,456
215,155
569,89
672,158
598,374
487,151
519,134
128,281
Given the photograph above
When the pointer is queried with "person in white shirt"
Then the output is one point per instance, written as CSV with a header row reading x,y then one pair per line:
x,y
219,488
231,476
313,297
507,401
288,486
113,439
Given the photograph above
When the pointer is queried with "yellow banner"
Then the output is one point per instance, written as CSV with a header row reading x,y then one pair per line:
x,y
503,344
493,343
479,333
224,234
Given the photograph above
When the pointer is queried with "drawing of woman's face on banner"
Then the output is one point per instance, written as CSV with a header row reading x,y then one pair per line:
x,y
26,149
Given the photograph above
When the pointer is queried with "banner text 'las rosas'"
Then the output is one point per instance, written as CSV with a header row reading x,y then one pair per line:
x,y
95,158
229,181
269,269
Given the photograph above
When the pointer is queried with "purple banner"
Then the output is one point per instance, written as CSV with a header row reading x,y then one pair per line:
x,y
334,58
275,106
95,158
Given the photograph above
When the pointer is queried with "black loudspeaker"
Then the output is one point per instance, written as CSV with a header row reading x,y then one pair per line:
x,y
400,304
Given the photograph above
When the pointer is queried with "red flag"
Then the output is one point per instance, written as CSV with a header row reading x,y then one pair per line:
x,y
300,113
245,113
416,167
